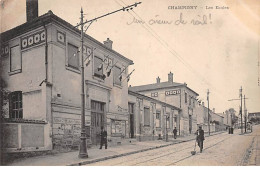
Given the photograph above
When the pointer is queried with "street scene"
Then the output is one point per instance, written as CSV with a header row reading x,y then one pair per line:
x,y
221,149
129,83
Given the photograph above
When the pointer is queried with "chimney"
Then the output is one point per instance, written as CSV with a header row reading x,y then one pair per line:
x,y
213,110
158,79
170,77
31,9
108,43
203,104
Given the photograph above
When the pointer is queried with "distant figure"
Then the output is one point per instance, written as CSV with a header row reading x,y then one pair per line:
x,y
103,135
200,138
175,132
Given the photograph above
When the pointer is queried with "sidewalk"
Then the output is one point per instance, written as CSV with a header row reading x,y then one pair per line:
x,y
95,154
254,159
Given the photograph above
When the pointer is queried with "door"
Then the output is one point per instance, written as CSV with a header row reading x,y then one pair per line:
x,y
97,121
131,119
190,123
132,126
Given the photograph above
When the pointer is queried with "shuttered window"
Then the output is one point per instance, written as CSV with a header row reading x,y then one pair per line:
x,y
15,59
147,116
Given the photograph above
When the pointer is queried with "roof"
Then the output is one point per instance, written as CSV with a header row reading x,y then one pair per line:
x,y
44,19
161,85
152,99
254,113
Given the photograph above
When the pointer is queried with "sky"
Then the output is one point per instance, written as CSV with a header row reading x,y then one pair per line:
x,y
215,49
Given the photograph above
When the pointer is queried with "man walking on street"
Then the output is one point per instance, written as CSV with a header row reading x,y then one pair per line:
x,y
103,135
200,138
175,132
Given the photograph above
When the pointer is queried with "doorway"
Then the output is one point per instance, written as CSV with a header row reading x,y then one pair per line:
x,y
97,121
190,123
131,120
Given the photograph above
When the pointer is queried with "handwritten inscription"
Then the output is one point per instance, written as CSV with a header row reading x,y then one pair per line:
x,y
181,20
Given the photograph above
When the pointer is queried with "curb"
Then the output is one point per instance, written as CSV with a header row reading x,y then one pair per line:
x,y
134,152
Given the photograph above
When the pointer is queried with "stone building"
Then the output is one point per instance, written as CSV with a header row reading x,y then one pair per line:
x,y
176,94
151,119
40,65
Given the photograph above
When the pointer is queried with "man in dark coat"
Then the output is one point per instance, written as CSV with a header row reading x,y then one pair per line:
x,y
103,135
200,138
175,132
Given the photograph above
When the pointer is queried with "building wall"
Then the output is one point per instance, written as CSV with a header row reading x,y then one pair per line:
x,y
31,75
29,80
152,132
66,89
178,100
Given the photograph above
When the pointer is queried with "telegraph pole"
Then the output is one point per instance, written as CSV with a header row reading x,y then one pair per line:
x,y
245,112
208,111
241,108
83,145
241,97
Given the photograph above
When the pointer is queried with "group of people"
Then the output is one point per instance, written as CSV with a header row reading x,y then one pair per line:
x,y
199,137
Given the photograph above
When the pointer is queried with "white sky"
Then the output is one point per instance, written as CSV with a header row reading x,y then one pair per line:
x,y
220,56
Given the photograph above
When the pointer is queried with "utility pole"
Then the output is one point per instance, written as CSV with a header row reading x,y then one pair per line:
x,y
241,107
208,111
83,145
245,112
241,97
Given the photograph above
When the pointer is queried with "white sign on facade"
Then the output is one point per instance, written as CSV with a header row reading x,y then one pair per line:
x,y
172,92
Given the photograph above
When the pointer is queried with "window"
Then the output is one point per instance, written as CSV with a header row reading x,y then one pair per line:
x,y
117,77
147,116
15,59
98,67
131,108
185,97
168,120
15,105
158,119
73,57
189,100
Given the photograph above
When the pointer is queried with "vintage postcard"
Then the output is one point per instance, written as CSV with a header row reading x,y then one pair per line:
x,y
129,83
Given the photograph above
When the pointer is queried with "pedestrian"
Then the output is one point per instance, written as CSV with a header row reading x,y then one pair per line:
x,y
200,138
103,140
175,132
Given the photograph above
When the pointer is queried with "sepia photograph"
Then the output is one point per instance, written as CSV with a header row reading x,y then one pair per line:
x,y
129,83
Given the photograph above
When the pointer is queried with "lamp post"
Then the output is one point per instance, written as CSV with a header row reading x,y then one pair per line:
x,y
83,145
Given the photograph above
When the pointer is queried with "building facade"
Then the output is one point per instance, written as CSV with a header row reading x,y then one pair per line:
x,y
40,65
176,94
151,119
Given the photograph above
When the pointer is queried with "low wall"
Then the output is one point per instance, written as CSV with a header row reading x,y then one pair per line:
x,y
26,135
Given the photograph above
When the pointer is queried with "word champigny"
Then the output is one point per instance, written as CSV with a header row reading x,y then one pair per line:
x,y
182,7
